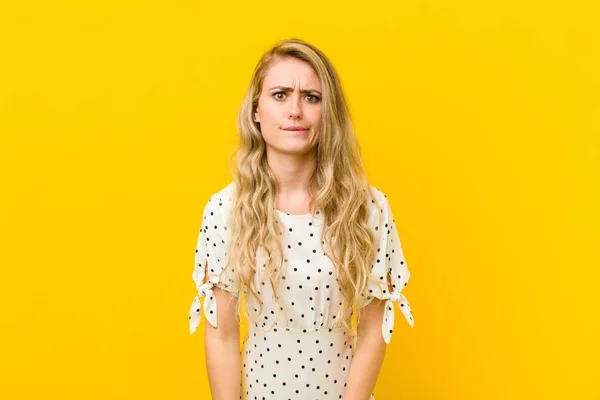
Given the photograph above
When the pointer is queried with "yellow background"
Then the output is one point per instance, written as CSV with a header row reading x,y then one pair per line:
x,y
479,120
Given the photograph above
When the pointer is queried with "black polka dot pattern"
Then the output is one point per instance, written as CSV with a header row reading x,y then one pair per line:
x,y
296,363
389,263
294,351
211,257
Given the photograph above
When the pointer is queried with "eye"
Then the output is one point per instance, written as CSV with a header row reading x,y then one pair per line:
x,y
315,98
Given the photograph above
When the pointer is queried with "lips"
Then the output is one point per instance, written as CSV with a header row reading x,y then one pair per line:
x,y
295,128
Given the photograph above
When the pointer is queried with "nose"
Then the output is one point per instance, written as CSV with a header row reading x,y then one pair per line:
x,y
295,111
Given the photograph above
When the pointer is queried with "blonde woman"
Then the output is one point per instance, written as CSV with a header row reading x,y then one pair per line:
x,y
306,239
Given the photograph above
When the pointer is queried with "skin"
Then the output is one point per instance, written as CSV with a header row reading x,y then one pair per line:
x,y
291,155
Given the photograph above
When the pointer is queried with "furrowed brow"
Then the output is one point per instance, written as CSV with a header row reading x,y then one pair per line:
x,y
289,89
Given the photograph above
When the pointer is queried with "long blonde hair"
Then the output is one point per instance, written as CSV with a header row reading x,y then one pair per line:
x,y
338,189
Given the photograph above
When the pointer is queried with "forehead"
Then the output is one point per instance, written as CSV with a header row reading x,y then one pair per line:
x,y
292,72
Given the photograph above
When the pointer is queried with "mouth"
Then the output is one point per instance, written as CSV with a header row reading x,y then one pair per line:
x,y
296,130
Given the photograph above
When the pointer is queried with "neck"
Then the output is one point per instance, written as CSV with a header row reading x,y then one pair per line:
x,y
293,171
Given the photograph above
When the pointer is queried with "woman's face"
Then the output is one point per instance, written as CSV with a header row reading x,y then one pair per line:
x,y
290,96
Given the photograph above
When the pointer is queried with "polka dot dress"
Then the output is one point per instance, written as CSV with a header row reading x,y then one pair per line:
x,y
296,352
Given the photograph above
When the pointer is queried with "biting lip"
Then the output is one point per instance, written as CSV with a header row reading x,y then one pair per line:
x,y
295,128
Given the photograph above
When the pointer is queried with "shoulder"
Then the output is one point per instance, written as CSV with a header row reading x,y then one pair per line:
x,y
225,194
380,197
219,203
378,193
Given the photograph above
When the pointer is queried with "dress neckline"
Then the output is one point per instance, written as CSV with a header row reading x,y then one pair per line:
x,y
297,215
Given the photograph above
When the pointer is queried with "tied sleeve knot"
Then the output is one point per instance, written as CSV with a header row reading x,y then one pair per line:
x,y
395,296
210,306
387,325
205,288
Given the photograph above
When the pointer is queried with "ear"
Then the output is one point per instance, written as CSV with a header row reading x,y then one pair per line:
x,y
256,118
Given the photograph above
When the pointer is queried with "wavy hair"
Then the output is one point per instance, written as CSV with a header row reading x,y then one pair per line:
x,y
338,189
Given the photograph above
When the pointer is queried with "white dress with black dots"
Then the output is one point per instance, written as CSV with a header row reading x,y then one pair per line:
x,y
301,356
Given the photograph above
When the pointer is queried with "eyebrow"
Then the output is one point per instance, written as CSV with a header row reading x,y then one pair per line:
x,y
287,88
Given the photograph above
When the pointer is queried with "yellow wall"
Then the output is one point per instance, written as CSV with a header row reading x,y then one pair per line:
x,y
480,121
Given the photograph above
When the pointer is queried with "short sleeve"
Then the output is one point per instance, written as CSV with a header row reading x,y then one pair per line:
x,y
389,262
211,258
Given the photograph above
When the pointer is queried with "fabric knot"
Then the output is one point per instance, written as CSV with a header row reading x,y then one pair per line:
x,y
204,288
209,306
388,316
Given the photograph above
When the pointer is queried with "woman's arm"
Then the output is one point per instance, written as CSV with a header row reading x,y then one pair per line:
x,y
222,346
369,353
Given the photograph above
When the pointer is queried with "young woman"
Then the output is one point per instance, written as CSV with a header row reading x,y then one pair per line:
x,y
307,240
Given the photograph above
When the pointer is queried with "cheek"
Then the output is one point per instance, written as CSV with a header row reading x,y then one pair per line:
x,y
268,112
315,118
